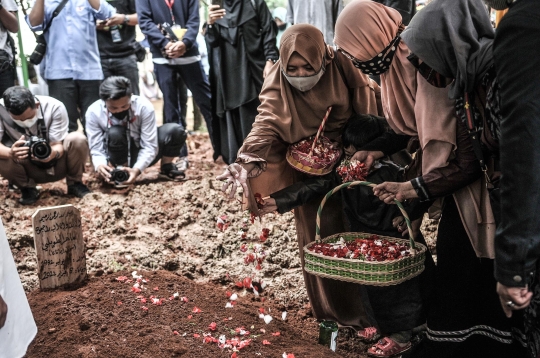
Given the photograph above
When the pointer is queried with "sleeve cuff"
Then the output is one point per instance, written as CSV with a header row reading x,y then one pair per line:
x,y
140,166
98,160
514,278
188,43
420,187
252,158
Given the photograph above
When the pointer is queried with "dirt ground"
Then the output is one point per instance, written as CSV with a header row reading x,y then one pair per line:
x,y
168,231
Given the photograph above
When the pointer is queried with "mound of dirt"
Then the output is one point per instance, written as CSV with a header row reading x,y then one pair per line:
x,y
105,318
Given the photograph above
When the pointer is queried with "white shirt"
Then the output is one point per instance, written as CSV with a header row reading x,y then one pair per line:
x,y
20,328
54,114
11,6
143,130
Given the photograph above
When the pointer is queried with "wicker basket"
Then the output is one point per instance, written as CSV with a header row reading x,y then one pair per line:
x,y
373,273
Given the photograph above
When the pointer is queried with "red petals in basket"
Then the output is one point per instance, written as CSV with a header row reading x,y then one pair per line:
x,y
372,248
352,170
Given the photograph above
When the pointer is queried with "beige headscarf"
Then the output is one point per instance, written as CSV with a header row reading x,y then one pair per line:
x,y
413,107
287,115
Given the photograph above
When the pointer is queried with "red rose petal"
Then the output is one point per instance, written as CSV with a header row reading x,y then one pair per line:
x,y
265,342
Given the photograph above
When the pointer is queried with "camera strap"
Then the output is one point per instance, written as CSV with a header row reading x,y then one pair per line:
x,y
127,124
55,13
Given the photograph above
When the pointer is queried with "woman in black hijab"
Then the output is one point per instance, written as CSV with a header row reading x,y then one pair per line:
x,y
452,44
241,39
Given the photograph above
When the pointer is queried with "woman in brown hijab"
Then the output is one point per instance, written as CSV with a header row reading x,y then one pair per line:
x,y
463,317
309,77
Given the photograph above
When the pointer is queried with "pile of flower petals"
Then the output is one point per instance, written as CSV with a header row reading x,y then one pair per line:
x,y
372,248
352,170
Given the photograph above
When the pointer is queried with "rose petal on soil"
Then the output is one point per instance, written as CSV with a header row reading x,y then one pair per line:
x,y
196,335
119,303
212,326
228,293
263,330
265,342
234,355
229,305
144,308
122,278
239,284
196,310
275,334
143,300
184,299
284,315
267,319
290,355
261,310
176,333
233,297
190,317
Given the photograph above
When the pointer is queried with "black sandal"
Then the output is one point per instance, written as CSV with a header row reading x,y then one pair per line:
x,y
169,171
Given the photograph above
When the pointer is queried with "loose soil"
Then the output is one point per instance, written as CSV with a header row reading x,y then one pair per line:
x,y
167,231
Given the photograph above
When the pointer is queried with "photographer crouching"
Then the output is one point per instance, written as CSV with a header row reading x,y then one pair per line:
x,y
35,145
124,138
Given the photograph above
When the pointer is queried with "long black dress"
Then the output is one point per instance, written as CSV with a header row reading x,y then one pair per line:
x,y
239,46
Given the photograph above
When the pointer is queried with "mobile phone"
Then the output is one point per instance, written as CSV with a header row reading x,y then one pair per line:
x,y
217,2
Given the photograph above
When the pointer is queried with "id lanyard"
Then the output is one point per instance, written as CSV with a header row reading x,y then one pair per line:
x,y
170,4
128,135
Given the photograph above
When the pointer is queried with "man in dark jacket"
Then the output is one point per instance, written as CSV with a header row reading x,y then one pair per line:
x,y
517,242
176,58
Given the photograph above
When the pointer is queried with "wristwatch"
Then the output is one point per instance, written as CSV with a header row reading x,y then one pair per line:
x,y
126,19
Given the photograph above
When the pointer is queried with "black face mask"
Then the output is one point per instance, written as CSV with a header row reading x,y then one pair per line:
x,y
378,64
433,77
122,115
282,27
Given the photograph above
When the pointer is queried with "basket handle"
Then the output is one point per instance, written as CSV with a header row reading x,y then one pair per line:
x,y
364,183
321,128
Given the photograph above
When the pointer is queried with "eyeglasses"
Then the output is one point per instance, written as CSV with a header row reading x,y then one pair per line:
x,y
433,77
355,61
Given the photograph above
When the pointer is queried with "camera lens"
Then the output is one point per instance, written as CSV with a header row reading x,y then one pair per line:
x,y
119,175
41,150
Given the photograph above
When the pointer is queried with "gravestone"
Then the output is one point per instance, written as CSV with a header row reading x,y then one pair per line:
x,y
59,246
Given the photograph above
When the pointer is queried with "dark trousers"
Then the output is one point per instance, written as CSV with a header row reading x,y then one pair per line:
x,y
7,79
123,66
195,80
76,95
171,138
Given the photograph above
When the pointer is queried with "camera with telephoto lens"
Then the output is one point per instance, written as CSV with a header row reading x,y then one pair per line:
x,y
39,51
119,175
39,147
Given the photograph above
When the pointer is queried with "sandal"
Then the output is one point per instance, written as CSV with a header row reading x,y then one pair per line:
x,y
369,335
387,347
170,171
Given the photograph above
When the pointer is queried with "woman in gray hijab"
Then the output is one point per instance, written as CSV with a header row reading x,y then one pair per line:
x,y
451,44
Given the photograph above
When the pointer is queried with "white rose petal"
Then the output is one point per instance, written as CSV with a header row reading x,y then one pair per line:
x,y
261,315
284,315
267,319
229,305
222,339
233,297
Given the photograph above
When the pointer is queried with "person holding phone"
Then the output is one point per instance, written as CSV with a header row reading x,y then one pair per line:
x,y
241,38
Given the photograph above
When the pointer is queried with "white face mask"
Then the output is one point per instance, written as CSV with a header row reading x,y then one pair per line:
x,y
305,83
27,123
